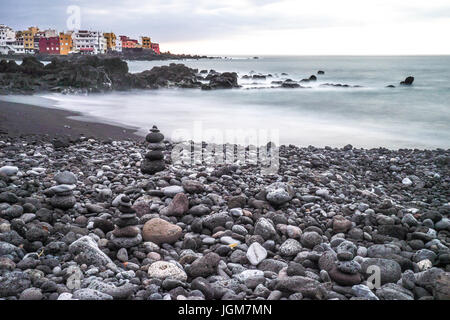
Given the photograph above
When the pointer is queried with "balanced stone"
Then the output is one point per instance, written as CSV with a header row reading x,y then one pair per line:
x,y
154,159
66,177
351,267
344,278
127,215
154,155
346,250
154,136
126,234
63,196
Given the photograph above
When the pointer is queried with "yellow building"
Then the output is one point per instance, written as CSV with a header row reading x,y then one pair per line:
x,y
146,42
65,43
110,40
28,38
33,29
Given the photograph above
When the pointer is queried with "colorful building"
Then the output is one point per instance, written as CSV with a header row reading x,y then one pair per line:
x,y
17,45
82,41
28,39
146,42
155,48
110,40
49,45
65,43
89,42
37,38
7,38
6,34
128,43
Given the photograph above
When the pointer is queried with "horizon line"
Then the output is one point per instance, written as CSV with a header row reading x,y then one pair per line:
x,y
313,55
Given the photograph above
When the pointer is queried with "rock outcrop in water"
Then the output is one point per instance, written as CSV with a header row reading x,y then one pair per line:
x,y
340,85
174,74
408,81
226,80
94,74
100,74
289,83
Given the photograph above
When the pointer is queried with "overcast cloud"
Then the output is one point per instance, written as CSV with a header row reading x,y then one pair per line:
x,y
255,26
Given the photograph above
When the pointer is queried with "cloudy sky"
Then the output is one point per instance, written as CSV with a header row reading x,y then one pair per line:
x,y
255,27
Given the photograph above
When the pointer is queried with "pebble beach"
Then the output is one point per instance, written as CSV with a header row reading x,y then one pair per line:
x,y
79,220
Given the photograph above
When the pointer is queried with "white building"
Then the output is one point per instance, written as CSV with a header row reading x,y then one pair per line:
x,y
50,33
103,44
7,37
16,46
118,47
6,34
89,42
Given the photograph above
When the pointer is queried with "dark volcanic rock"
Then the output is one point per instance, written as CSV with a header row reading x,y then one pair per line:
x,y
164,76
226,80
344,279
99,74
328,220
204,266
306,286
14,283
408,81
390,270
290,84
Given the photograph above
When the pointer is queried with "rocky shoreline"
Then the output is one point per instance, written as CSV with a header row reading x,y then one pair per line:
x,y
100,74
92,74
135,56
78,220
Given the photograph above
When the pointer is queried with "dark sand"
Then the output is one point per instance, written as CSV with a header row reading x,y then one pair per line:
x,y
20,119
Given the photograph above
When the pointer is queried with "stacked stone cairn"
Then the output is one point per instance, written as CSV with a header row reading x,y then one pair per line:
x,y
347,270
126,234
154,159
63,197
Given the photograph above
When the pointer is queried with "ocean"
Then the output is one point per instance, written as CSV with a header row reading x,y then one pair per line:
x,y
370,116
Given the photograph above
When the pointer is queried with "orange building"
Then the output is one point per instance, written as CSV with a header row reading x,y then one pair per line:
x,y
65,43
146,42
110,40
